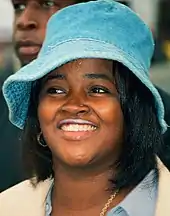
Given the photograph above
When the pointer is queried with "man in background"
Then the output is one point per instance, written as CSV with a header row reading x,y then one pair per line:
x,y
31,17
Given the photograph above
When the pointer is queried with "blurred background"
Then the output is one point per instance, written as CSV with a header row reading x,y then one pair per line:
x,y
156,13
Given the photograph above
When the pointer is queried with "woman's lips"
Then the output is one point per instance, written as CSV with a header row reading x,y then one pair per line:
x,y
77,129
75,122
77,135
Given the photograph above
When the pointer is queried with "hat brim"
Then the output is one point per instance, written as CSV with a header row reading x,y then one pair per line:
x,y
17,88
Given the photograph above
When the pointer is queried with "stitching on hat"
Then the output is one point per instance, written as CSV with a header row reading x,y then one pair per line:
x,y
51,47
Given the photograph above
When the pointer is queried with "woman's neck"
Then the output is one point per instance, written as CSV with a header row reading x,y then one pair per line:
x,y
81,190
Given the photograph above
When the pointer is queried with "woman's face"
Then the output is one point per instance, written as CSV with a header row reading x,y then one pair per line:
x,y
80,114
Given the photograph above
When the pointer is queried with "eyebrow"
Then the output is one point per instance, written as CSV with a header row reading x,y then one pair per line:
x,y
55,76
59,76
98,76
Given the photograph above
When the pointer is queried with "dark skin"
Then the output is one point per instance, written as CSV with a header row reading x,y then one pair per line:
x,y
31,17
82,156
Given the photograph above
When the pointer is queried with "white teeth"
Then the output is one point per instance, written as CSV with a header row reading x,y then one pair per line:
x,y
78,127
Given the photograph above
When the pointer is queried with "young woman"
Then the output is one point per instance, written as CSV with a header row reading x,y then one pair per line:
x,y
91,119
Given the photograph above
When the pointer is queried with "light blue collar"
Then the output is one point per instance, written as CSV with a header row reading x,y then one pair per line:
x,y
141,201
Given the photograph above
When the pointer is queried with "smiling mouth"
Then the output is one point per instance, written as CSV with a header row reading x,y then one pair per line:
x,y
78,127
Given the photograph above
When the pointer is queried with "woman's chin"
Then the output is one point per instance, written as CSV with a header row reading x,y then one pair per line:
x,y
78,161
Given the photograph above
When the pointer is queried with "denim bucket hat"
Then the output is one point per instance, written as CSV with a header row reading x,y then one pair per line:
x,y
97,29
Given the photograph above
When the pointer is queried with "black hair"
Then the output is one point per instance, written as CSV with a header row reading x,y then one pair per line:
x,y
142,139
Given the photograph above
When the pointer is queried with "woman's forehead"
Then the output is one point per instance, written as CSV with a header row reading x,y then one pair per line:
x,y
83,67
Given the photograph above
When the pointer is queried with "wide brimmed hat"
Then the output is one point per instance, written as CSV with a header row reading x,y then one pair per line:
x,y
98,29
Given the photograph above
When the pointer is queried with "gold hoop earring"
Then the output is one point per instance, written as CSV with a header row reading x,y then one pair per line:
x,y
40,140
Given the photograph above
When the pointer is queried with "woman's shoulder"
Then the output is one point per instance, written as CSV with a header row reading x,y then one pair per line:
x,y
24,198
18,187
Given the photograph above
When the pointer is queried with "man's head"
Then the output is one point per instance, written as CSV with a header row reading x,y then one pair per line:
x,y
31,17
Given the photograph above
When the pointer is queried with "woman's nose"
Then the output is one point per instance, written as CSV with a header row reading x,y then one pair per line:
x,y
76,107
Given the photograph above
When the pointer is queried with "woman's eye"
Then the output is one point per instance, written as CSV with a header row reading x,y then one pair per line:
x,y
18,7
99,90
49,4
55,91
